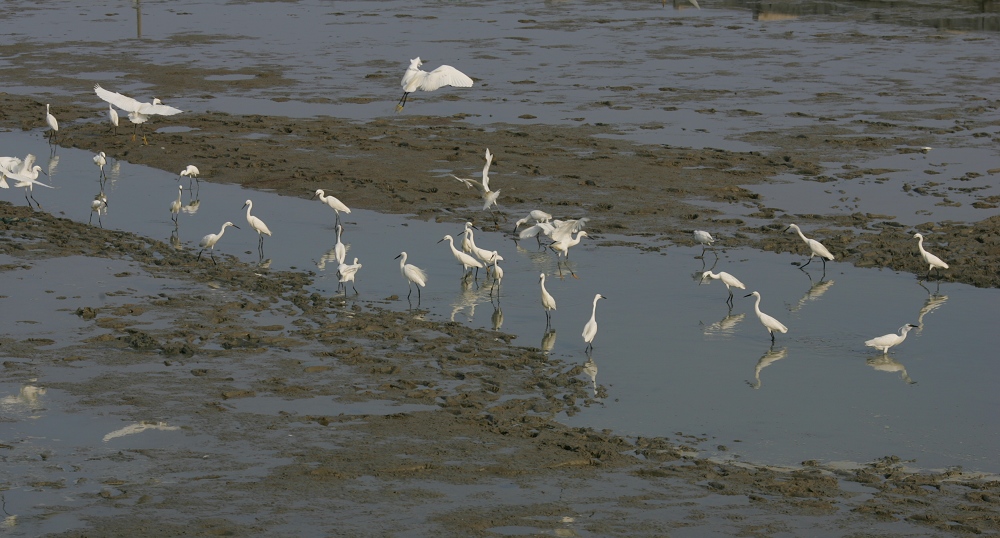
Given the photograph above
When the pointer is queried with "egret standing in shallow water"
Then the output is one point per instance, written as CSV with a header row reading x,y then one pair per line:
x,y
175,206
98,205
258,226
413,275
333,202
590,329
347,272
113,118
886,341
27,176
53,125
705,238
138,113
548,302
931,260
339,249
210,240
100,160
417,79
768,322
191,171
815,248
497,274
466,260
729,280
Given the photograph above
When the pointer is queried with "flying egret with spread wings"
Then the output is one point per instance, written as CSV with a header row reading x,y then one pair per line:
x,y
138,112
417,79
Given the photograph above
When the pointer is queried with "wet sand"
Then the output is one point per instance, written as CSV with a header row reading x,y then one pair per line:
x,y
478,452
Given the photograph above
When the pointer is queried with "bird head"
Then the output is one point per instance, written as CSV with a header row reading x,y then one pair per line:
x,y
416,62
318,193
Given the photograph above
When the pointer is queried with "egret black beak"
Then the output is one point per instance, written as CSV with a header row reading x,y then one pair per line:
x,y
748,295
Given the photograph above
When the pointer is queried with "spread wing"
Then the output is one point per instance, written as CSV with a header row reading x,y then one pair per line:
x,y
445,75
486,170
158,108
123,102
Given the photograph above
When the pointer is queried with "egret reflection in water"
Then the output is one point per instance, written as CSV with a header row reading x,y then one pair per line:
x,y
933,302
497,318
28,398
767,359
815,291
467,300
590,368
725,326
548,340
885,363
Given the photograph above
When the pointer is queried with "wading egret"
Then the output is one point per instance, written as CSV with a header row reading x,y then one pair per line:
x,y
548,301
564,229
497,273
333,202
537,214
113,118
138,113
347,272
8,165
467,262
590,329
466,243
705,238
210,240
100,160
340,250
815,247
768,322
562,247
884,342
191,171
417,79
537,231
931,260
729,280
175,206
27,176
258,226
53,124
412,274
98,205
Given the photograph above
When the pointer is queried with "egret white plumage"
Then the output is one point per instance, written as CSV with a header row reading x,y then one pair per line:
x,y
113,118
484,255
8,165
191,171
100,160
489,197
175,206
767,321
333,202
52,123
537,231
815,247
417,79
98,205
705,238
536,214
347,272
884,342
564,229
340,250
932,261
548,301
27,176
412,274
210,240
562,247
590,329
466,261
727,279
497,273
138,112
258,226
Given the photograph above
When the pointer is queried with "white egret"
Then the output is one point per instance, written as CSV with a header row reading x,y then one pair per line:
x,y
417,79
537,231
768,322
884,342
484,255
497,273
489,197
53,124
729,280
175,206
564,229
347,272
466,244
210,240
931,260
98,205
705,238
467,262
27,176
8,165
537,214
113,118
548,301
191,171
562,247
339,250
412,274
815,247
333,202
590,329
258,226
100,160
138,112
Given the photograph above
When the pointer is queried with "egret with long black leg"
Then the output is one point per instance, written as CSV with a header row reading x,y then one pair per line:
x,y
413,275
729,280
417,79
333,202
815,248
767,321
497,274
548,302
706,240
932,261
590,329
465,260
339,249
113,119
99,205
175,206
192,172
347,272
100,160
210,240
884,342
258,226
53,125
